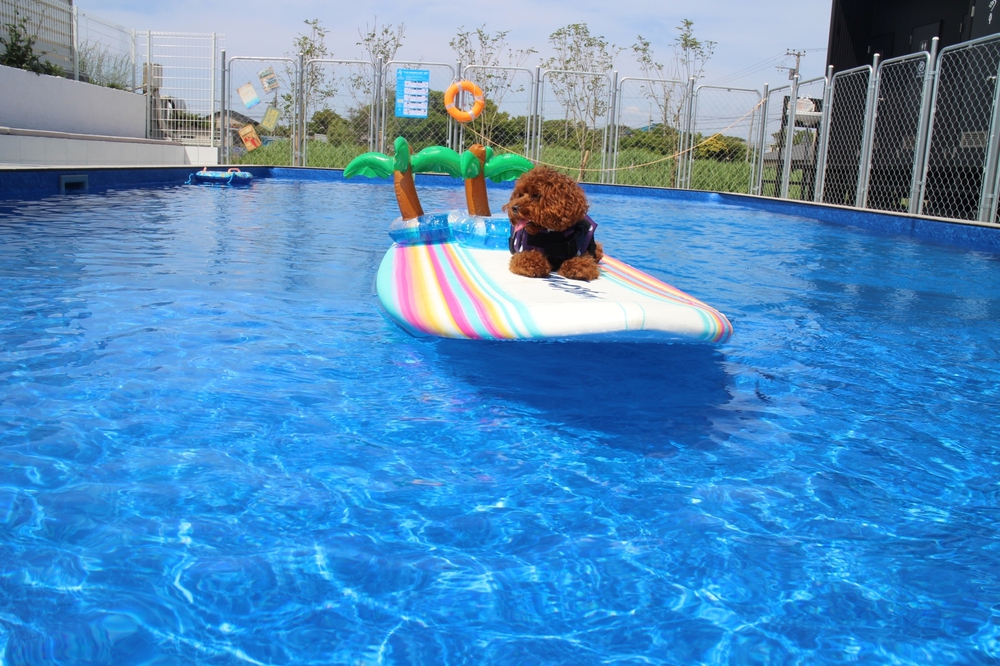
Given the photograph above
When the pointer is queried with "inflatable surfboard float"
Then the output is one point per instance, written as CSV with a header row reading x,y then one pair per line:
x,y
446,275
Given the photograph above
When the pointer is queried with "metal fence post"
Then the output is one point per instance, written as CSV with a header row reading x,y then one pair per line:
x,y
539,88
379,107
148,82
864,165
919,150
692,101
786,164
460,129
988,191
75,28
688,138
608,148
824,139
298,113
134,54
616,119
762,141
223,124
215,51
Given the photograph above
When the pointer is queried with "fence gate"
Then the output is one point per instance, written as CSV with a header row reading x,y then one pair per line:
x,y
897,133
773,153
179,76
962,152
650,119
574,118
338,111
725,129
848,105
506,120
261,92
437,129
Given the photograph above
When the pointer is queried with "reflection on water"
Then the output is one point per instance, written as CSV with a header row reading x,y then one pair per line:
x,y
646,398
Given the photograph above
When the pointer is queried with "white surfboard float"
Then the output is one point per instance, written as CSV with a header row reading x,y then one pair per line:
x,y
447,276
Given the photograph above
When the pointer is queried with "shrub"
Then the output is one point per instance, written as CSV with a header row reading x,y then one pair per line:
x,y
19,49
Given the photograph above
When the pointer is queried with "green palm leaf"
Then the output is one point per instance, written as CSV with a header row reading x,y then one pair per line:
x,y
438,159
507,167
370,165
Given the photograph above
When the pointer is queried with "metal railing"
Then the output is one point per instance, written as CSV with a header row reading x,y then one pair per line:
x,y
918,134
177,72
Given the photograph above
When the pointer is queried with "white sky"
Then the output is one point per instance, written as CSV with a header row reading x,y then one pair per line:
x,y
751,36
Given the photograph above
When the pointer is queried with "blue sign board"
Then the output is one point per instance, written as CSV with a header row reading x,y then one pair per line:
x,y
412,90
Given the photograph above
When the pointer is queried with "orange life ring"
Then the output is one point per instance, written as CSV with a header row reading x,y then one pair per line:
x,y
477,106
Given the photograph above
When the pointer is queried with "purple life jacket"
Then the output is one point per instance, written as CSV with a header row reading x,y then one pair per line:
x,y
557,246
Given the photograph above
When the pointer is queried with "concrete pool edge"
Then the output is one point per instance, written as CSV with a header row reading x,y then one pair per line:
x,y
18,182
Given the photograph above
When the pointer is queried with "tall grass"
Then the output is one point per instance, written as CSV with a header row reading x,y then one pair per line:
x,y
650,169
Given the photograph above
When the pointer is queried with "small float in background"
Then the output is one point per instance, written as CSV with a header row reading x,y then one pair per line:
x,y
231,177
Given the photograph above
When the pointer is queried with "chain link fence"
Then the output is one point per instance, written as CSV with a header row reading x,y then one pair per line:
x,y
505,122
651,118
574,118
846,123
915,134
339,111
898,125
725,128
961,160
260,118
773,153
430,126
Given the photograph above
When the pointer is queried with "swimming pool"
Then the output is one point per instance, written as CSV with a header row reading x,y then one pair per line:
x,y
214,447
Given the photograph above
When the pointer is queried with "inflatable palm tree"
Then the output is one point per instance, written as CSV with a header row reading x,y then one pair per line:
x,y
379,165
473,165
497,168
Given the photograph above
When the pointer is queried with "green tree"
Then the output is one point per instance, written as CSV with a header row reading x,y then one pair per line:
x,y
380,44
585,98
494,62
331,124
318,89
668,88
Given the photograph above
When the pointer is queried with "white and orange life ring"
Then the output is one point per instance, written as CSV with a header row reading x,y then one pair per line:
x,y
458,114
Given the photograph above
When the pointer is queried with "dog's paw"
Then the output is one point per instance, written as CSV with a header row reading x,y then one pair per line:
x,y
580,268
600,251
530,264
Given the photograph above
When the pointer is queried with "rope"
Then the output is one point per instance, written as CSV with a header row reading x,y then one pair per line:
x,y
497,147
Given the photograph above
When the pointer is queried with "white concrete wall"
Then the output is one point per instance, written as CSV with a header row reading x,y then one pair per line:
x,y
42,102
54,151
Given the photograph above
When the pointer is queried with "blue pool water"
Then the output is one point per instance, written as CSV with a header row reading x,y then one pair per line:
x,y
215,449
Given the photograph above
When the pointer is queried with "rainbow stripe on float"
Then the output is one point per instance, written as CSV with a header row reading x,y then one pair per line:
x,y
440,289
720,330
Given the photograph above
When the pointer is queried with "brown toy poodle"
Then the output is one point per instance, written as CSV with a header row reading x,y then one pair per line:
x,y
550,228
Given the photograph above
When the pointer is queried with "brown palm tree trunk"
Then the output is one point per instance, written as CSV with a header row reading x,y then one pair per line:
x,y
406,194
475,188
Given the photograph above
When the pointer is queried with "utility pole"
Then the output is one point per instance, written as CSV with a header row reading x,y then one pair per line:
x,y
793,71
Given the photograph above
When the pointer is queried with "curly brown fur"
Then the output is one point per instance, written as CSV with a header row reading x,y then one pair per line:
x,y
547,199
530,264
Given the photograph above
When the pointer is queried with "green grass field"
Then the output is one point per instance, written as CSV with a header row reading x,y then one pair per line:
x,y
706,174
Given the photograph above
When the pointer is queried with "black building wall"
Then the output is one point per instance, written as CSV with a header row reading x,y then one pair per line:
x,y
861,28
